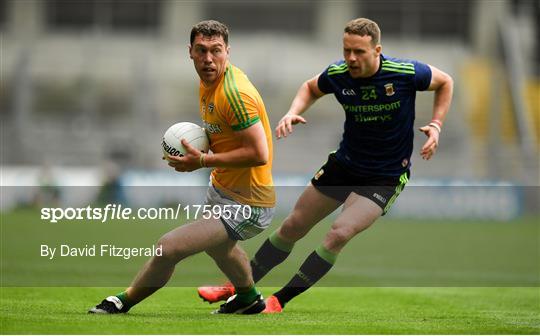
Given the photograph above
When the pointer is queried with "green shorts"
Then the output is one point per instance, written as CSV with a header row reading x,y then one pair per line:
x,y
241,221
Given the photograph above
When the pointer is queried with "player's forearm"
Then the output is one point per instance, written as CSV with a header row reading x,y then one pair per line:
x,y
303,100
237,158
443,99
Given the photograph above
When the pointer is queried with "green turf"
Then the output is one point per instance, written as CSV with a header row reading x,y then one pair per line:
x,y
321,311
401,276
393,253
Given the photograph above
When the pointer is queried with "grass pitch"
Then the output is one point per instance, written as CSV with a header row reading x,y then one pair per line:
x,y
399,277
321,311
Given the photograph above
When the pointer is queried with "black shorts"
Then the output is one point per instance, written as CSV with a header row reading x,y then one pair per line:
x,y
336,181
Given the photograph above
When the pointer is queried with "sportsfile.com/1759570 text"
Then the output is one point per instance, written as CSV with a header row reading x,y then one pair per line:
x,y
120,212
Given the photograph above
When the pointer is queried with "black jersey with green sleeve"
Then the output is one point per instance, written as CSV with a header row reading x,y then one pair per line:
x,y
379,114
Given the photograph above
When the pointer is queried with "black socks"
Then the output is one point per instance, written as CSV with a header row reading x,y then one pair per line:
x,y
317,264
272,253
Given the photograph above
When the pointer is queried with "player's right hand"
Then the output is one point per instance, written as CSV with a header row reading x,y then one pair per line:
x,y
188,162
284,126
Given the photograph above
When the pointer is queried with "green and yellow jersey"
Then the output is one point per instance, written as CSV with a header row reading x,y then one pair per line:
x,y
233,104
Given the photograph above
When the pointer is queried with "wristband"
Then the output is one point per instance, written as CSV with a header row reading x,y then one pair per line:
x,y
435,126
437,121
201,160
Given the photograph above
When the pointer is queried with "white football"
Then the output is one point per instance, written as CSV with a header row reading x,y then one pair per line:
x,y
193,133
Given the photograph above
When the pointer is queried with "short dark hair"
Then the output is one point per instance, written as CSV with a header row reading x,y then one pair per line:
x,y
210,28
363,27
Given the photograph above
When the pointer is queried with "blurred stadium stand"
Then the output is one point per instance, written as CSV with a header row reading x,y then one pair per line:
x,y
89,80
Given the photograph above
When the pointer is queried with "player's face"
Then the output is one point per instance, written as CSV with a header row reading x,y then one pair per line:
x,y
210,55
361,56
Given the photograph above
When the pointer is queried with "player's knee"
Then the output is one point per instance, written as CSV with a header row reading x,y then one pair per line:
x,y
170,250
292,229
337,237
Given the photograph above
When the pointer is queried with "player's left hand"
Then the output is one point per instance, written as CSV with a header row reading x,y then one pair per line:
x,y
430,147
188,162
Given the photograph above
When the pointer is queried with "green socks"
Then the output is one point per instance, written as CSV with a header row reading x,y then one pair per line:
x,y
123,297
247,295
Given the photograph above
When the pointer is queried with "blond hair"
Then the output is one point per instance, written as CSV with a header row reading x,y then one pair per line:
x,y
363,27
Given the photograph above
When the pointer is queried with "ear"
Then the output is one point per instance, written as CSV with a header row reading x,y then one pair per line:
x,y
189,50
378,49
